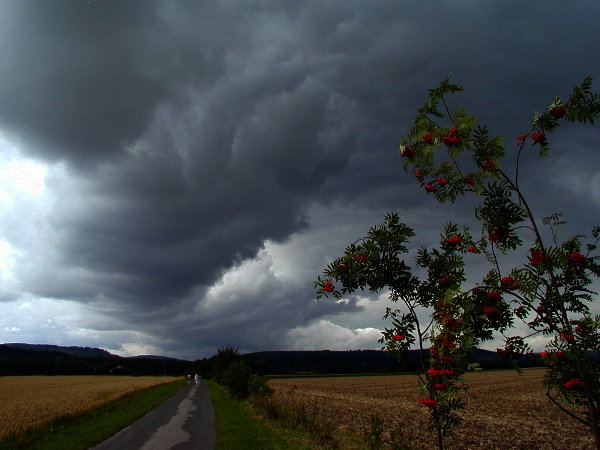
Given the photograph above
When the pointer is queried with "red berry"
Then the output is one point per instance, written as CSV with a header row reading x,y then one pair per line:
x,y
509,283
451,141
456,240
576,257
489,166
537,257
490,310
494,295
538,137
429,402
558,111
575,383
328,287
407,151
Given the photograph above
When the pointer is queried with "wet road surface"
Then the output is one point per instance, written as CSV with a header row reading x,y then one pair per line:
x,y
183,422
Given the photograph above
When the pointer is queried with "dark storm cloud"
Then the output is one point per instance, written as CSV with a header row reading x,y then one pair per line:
x,y
76,85
191,132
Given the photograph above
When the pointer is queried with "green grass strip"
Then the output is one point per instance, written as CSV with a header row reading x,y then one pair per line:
x,y
88,429
239,427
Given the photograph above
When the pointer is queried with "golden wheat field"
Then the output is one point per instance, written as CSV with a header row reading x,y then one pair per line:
x,y
504,410
31,401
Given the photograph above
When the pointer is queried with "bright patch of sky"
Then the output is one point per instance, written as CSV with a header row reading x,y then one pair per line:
x,y
18,176
22,187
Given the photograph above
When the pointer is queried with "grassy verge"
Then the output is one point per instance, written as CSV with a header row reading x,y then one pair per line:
x,y
240,426
88,429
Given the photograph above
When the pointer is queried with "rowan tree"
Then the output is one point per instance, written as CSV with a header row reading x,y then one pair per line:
x,y
450,155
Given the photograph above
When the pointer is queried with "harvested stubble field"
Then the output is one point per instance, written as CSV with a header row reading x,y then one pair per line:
x,y
28,402
505,410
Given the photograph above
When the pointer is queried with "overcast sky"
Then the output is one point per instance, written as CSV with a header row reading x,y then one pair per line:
x,y
175,174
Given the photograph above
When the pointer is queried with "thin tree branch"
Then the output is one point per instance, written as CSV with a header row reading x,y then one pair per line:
x,y
563,409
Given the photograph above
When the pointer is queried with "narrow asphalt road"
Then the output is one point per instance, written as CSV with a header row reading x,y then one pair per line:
x,y
183,422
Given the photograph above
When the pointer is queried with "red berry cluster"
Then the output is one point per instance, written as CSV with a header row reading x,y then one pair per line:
x,y
539,137
430,403
537,257
435,372
431,187
576,257
493,296
558,111
553,354
498,234
450,322
490,311
445,280
407,151
509,284
451,139
566,336
575,383
582,331
328,287
434,185
489,166
455,240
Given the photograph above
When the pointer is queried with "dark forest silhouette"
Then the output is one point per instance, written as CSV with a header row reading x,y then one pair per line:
x,y
29,359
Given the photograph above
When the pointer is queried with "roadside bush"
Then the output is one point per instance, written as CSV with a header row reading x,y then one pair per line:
x,y
237,375
236,378
258,387
242,383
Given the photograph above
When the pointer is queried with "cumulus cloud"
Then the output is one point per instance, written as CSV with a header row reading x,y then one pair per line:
x,y
325,335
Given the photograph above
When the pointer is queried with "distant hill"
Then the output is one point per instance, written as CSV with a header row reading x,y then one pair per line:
x,y
41,359
81,352
19,361
153,357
